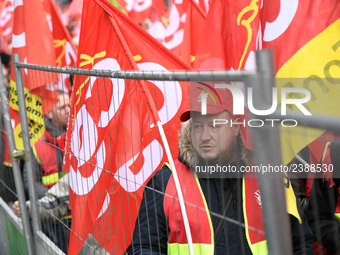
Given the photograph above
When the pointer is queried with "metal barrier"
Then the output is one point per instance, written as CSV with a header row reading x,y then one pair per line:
x,y
272,192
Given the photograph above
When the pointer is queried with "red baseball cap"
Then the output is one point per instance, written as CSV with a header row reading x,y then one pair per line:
x,y
218,99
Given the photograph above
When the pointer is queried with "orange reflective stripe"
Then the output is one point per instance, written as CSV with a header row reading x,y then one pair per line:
x,y
259,248
199,248
208,214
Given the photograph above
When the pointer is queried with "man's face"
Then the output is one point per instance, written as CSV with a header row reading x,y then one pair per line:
x,y
214,143
60,112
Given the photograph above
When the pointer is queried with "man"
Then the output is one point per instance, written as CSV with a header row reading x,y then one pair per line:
x,y
323,212
7,185
47,171
53,207
47,160
159,227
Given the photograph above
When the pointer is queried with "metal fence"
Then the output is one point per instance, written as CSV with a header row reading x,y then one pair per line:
x,y
43,229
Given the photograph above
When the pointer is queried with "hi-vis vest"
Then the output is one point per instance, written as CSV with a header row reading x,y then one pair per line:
x,y
199,217
46,156
337,209
328,159
7,158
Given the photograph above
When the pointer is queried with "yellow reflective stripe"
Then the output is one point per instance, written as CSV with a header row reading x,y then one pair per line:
x,y
166,164
199,248
259,248
52,178
337,216
66,217
183,248
7,164
36,154
324,152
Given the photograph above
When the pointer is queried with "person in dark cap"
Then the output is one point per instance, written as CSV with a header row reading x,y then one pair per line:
x,y
210,157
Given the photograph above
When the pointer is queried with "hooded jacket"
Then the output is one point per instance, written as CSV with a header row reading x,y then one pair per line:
x,y
151,230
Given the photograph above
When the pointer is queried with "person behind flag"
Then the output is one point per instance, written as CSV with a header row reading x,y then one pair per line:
x,y
54,211
7,185
47,159
323,211
52,189
159,228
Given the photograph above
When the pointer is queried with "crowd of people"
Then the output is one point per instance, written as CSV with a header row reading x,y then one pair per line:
x,y
159,227
219,211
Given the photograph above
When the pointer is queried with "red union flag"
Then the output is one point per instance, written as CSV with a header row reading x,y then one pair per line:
x,y
72,16
195,19
228,40
6,18
113,147
138,10
33,40
64,48
179,28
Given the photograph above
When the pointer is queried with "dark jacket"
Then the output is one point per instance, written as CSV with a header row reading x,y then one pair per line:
x,y
36,167
151,230
322,204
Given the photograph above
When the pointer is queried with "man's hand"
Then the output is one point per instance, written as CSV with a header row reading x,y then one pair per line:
x,y
16,208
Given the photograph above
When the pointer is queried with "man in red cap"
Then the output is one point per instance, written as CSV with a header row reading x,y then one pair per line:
x,y
211,153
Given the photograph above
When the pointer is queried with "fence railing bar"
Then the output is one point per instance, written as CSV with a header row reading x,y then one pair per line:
x,y
324,122
237,75
16,169
26,140
272,190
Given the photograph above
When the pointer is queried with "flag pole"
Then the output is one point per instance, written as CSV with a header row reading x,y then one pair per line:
x,y
178,188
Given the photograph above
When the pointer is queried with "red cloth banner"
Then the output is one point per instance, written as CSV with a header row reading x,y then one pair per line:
x,y
113,146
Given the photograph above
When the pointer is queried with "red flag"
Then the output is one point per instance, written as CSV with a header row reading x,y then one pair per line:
x,y
6,19
64,48
204,4
179,28
139,10
33,40
229,36
195,20
174,26
110,127
72,16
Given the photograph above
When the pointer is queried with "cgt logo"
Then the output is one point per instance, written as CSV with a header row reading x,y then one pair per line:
x,y
238,99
